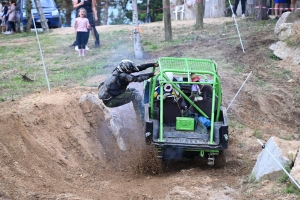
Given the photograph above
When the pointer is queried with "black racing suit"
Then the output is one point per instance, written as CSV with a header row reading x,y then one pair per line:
x,y
114,92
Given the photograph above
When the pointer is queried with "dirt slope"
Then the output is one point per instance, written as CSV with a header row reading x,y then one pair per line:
x,y
53,147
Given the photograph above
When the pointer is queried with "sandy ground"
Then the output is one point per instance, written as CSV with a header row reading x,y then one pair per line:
x,y
52,146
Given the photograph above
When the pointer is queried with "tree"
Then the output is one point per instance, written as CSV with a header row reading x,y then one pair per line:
x,y
28,13
167,20
105,17
261,12
40,11
66,8
153,8
200,14
138,50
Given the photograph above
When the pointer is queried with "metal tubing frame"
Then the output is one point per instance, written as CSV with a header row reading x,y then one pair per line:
x,y
164,79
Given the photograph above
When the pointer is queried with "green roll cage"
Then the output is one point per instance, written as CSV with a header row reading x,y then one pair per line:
x,y
184,67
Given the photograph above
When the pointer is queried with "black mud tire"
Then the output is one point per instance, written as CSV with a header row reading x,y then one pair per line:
x,y
220,160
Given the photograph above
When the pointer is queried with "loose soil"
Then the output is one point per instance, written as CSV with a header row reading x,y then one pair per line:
x,y
55,146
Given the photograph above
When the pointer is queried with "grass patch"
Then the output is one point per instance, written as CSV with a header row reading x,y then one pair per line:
x,y
257,134
284,177
251,178
274,57
154,47
292,189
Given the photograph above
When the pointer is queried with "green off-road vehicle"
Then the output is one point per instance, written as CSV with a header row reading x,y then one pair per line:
x,y
181,122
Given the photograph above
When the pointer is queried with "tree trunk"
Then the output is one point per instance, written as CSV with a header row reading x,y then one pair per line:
x,y
68,17
167,20
41,15
200,14
105,17
138,50
28,14
28,25
260,13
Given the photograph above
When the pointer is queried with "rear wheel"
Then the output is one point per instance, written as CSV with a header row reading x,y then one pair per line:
x,y
220,160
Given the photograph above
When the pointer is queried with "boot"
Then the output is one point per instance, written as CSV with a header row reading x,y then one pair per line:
x,y
74,44
97,37
97,44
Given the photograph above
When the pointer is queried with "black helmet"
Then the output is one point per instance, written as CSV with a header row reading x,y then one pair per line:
x,y
127,66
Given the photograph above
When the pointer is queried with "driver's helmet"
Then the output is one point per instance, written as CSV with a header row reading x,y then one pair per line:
x,y
127,66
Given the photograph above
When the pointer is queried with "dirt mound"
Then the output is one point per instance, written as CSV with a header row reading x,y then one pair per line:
x,y
46,142
59,145
53,142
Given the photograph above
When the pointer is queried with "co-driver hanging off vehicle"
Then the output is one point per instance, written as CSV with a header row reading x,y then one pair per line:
x,y
114,92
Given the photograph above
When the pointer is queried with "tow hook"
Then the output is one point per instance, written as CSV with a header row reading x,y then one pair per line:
x,y
211,160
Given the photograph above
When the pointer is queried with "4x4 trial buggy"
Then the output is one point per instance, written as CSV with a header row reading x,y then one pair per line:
x,y
180,123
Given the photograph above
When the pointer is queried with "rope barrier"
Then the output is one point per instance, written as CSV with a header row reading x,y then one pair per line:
x,y
276,8
164,7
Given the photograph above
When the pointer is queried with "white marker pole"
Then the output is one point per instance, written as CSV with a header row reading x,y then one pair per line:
x,y
237,28
239,91
37,37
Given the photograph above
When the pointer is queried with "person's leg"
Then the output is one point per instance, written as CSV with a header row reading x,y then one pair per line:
x,y
93,29
8,26
74,43
78,42
236,3
293,5
13,27
130,95
84,41
276,10
243,2
6,23
96,36
280,6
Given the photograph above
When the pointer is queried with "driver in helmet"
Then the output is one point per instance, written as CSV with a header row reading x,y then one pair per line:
x,y
114,92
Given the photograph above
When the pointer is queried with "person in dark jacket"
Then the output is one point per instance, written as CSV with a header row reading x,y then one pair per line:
x,y
90,7
114,92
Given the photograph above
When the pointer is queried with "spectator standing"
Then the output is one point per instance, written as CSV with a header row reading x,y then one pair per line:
x,y
236,3
11,17
4,17
278,8
90,7
81,27
293,5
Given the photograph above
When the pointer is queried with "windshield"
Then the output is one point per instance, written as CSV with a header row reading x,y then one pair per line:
x,y
44,3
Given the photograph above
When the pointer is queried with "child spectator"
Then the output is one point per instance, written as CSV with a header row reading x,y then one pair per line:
x,y
82,35
4,17
11,17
